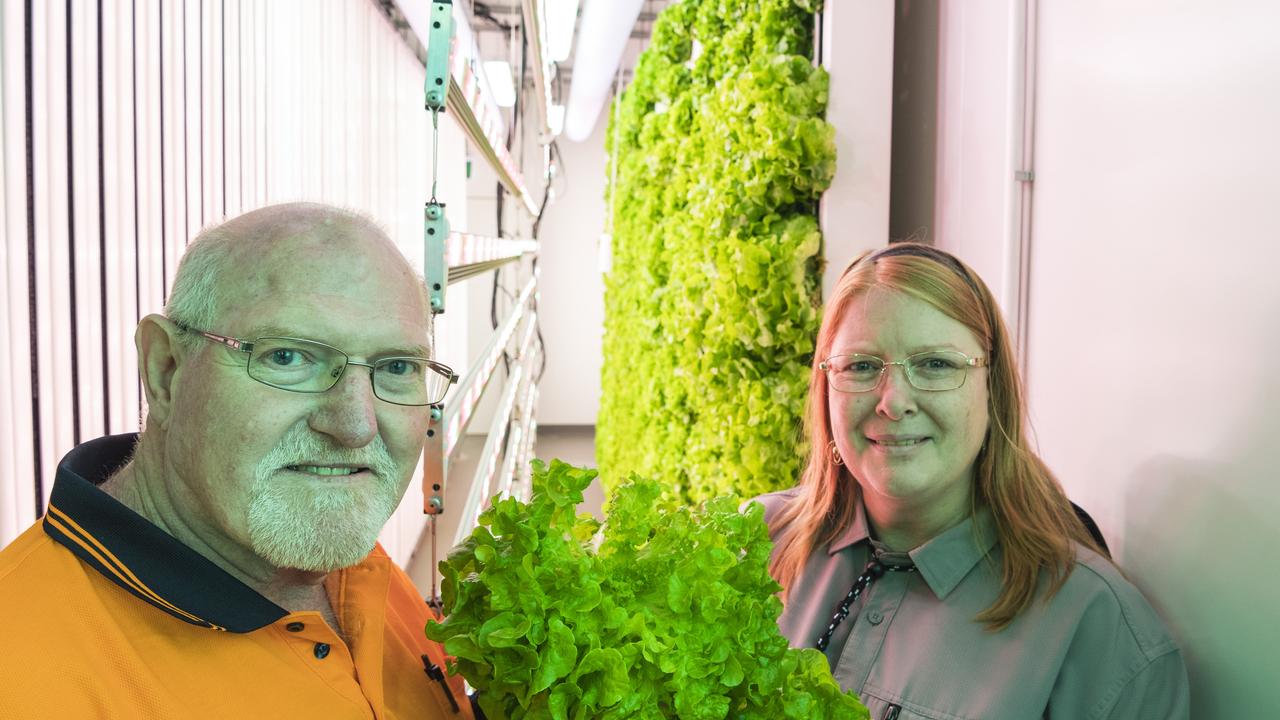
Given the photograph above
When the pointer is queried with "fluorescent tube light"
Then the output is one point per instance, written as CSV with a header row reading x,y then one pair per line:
x,y
555,119
606,28
562,16
498,73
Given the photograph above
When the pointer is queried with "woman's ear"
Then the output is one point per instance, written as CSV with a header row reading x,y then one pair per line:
x,y
159,356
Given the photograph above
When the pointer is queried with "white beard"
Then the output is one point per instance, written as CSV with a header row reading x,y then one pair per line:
x,y
318,525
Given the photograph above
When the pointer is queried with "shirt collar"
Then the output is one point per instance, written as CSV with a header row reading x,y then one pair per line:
x,y
943,561
138,556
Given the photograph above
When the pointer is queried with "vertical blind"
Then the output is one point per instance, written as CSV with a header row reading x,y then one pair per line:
x,y
129,125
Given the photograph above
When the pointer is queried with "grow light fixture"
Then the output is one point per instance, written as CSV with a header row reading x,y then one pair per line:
x,y
606,29
562,16
498,73
555,119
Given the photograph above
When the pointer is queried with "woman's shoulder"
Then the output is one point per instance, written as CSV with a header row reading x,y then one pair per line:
x,y
1110,600
773,502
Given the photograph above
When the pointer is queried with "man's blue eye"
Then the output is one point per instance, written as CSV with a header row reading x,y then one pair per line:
x,y
286,357
402,368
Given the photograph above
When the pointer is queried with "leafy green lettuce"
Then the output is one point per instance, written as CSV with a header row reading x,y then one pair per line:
x,y
661,613
712,305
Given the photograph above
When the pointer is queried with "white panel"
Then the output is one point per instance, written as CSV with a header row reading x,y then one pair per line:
x,y
149,155
234,141
1154,313
119,198
572,286
17,460
978,86
192,126
858,53
254,15
86,212
57,431
213,104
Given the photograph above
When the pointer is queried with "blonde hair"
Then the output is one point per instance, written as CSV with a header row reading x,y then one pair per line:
x,y
1036,524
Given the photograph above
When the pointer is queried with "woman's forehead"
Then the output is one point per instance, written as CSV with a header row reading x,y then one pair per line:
x,y
881,320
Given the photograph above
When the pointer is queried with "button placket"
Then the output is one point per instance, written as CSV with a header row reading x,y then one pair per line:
x,y
866,639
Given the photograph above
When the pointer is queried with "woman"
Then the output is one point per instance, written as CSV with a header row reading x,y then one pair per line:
x,y
927,550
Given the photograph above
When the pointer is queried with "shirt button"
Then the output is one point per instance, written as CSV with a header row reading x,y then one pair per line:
x,y
322,651
874,617
294,627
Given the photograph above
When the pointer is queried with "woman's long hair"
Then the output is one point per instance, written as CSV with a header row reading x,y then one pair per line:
x,y
1035,522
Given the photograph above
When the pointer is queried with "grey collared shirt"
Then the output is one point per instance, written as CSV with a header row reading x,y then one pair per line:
x,y
910,647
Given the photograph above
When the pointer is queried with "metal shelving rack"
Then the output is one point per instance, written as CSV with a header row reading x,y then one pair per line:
x,y
451,57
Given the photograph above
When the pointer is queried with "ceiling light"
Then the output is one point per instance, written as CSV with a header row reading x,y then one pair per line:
x,y
606,29
555,119
562,17
498,73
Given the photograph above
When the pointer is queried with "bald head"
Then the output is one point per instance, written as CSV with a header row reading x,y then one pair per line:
x,y
281,246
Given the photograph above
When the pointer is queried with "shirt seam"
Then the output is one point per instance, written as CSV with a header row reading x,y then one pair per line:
x,y
1149,654
1110,700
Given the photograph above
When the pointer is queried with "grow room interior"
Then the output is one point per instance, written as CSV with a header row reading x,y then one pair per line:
x,y
643,207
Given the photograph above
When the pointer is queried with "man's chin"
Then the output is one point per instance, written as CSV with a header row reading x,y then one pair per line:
x,y
314,557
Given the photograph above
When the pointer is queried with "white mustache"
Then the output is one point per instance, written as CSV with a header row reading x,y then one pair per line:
x,y
300,447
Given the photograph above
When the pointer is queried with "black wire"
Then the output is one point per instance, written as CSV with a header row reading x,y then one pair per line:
x,y
483,12
537,224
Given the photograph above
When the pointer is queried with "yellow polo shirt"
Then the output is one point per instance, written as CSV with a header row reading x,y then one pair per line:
x,y
104,615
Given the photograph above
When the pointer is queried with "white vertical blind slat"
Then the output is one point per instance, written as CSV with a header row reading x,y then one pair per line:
x,y
118,210
233,68
17,458
193,123
89,381
57,400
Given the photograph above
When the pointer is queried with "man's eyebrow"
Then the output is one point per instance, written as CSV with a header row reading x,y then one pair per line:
x,y
410,351
261,331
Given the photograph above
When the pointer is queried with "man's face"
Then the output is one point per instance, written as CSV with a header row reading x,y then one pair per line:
x,y
269,471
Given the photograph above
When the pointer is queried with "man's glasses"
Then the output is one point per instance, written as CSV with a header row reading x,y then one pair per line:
x,y
307,366
933,371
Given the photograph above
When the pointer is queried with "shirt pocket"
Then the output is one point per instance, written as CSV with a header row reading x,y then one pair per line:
x,y
881,707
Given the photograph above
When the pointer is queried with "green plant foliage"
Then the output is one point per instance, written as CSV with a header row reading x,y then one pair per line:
x,y
665,613
712,305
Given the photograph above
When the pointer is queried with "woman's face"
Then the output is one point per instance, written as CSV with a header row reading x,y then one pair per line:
x,y
903,445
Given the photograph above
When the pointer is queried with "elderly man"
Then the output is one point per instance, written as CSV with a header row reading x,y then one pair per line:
x,y
223,564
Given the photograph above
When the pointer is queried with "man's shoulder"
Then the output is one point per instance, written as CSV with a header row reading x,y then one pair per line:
x,y
37,575
29,556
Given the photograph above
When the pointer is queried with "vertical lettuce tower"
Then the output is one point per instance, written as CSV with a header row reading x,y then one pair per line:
x,y
712,304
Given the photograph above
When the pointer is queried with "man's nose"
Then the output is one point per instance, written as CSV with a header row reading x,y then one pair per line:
x,y
348,412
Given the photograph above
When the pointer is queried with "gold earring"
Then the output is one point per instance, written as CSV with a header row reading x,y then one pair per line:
x,y
835,453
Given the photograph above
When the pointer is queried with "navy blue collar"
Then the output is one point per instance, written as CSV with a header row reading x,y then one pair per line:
x,y
138,556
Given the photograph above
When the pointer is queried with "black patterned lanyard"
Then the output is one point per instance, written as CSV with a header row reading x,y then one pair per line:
x,y
873,571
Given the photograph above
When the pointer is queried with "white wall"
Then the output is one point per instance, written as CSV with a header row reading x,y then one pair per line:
x,y
208,110
978,137
1154,309
857,51
572,303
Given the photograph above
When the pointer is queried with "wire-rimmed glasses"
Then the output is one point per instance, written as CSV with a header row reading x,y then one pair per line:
x,y
310,366
934,371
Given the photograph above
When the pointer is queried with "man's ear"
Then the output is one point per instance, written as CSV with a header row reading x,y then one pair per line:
x,y
159,356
